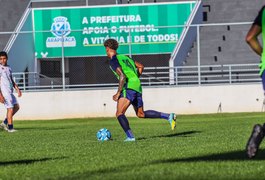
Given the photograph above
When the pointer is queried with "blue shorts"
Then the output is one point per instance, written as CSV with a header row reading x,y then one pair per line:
x,y
134,97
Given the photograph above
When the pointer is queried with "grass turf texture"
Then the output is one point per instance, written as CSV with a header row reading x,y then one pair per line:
x,y
201,147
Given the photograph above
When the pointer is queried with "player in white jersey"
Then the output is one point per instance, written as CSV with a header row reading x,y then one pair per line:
x,y
7,97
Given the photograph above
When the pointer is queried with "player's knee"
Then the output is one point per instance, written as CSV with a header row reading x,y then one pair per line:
x,y
16,107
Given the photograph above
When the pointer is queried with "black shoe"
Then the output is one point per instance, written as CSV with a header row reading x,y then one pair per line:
x,y
254,141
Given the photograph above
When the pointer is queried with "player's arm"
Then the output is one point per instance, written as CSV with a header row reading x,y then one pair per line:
x,y
16,87
2,99
122,79
252,39
140,68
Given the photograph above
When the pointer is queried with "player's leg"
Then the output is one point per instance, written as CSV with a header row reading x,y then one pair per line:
x,y
15,109
258,132
254,140
171,118
122,106
139,110
9,103
3,124
9,116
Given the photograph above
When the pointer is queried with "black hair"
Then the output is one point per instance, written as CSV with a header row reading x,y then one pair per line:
x,y
3,53
112,44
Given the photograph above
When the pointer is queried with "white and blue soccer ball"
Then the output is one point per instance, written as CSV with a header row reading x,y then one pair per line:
x,y
103,134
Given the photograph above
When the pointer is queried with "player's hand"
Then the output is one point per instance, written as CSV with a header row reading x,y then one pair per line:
x,y
116,96
19,93
2,99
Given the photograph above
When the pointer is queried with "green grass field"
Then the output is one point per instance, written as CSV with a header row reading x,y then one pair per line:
x,y
201,147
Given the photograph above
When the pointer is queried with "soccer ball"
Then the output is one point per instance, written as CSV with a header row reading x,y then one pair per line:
x,y
103,134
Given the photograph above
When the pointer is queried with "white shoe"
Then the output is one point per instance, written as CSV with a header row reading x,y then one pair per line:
x,y
128,139
11,130
3,126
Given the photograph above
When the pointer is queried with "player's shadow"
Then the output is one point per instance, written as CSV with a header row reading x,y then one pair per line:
x,y
229,156
27,161
42,128
181,134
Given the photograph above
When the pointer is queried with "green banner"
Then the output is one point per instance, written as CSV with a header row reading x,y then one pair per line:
x,y
140,29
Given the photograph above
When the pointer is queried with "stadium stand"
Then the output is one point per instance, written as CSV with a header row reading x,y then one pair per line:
x,y
225,44
10,16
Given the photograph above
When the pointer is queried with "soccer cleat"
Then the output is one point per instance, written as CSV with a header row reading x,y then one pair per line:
x,y
172,120
128,139
3,126
11,130
254,141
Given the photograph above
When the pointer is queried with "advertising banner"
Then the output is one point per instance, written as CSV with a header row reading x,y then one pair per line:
x,y
139,29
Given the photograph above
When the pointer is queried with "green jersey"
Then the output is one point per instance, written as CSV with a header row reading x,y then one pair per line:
x,y
129,70
260,21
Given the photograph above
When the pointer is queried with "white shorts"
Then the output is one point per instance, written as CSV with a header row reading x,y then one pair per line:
x,y
10,100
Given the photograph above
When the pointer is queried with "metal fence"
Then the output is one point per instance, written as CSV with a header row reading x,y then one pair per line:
x,y
219,55
155,76
92,2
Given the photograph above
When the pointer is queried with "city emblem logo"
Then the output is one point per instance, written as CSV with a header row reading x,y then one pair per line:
x,y
61,29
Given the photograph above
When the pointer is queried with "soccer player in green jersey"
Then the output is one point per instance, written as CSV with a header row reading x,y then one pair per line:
x,y
129,90
256,29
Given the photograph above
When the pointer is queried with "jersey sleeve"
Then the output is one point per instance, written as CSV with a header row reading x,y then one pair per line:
x,y
114,63
258,20
1,70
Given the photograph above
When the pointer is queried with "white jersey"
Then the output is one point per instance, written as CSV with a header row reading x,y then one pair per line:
x,y
6,80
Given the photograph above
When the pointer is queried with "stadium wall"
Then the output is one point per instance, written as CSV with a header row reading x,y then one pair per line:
x,y
99,103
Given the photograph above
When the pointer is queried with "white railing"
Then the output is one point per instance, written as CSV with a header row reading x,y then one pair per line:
x,y
154,76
